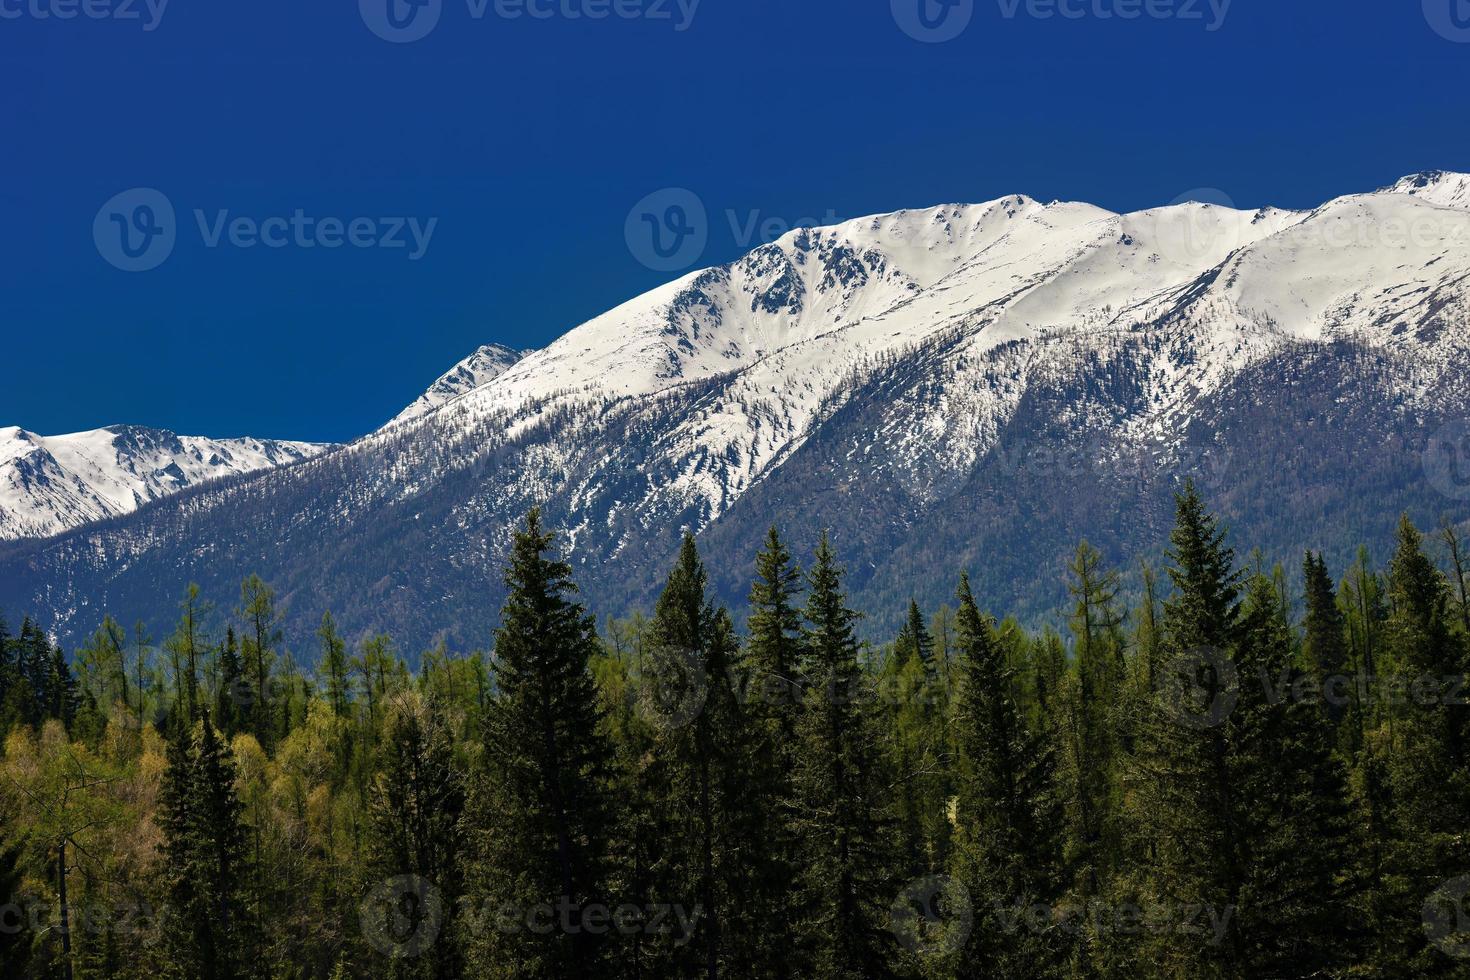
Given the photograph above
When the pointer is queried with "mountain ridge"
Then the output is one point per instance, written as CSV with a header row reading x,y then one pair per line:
x,y
874,378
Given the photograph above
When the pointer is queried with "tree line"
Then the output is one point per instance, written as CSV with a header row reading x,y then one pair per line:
x,y
1222,779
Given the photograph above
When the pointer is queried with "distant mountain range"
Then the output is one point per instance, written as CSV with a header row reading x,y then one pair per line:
x,y
967,386
50,484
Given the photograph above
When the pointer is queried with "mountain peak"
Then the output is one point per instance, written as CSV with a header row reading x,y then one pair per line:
x,y
487,363
1443,187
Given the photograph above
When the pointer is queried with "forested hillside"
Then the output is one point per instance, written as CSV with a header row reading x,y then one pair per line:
x,y
1248,772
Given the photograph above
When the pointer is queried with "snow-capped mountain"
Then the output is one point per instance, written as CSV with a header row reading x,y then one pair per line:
x,y
962,386
49,484
480,368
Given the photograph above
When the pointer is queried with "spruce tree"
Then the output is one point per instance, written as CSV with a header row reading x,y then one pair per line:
x,y
261,635
1193,846
773,651
1288,797
1090,722
1325,642
1007,814
1428,769
415,808
540,810
206,929
842,816
719,823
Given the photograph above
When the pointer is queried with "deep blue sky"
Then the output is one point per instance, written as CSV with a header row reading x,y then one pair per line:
x,y
531,140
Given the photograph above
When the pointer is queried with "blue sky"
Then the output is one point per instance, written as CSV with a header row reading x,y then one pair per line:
x,y
519,145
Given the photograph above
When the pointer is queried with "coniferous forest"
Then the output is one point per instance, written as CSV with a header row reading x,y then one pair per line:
x,y
1234,771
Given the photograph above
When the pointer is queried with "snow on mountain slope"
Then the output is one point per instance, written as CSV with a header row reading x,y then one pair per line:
x,y
481,367
878,368
51,483
789,326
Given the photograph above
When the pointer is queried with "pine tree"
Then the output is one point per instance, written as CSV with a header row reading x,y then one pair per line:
x,y
1194,848
415,808
232,685
63,700
1288,794
1428,769
1325,643
1007,815
258,644
541,809
1091,723
919,746
206,928
334,665
841,816
773,651
717,822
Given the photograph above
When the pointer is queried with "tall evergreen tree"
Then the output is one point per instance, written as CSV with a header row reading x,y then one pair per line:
x,y
1090,721
206,929
842,815
541,809
261,636
415,808
1428,768
1325,643
1288,799
1194,847
1008,842
718,822
773,651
